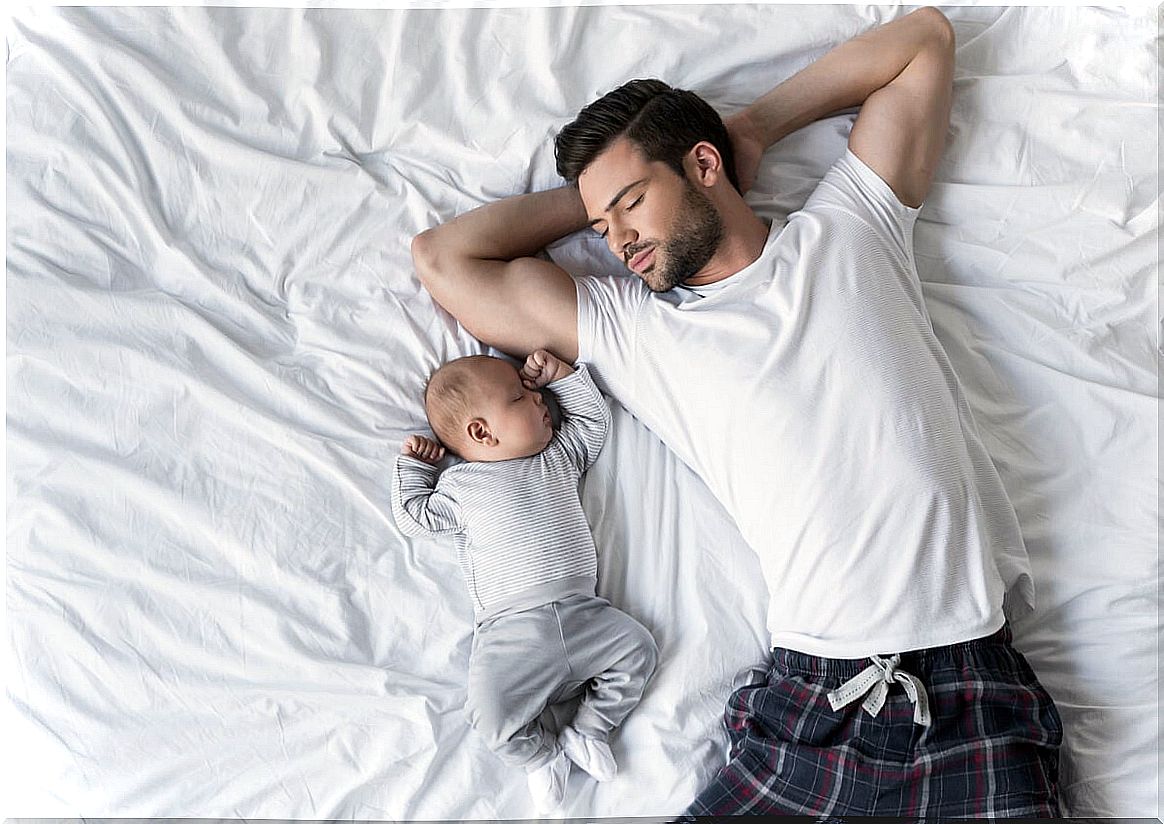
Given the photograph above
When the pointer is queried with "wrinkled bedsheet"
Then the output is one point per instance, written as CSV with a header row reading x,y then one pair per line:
x,y
216,344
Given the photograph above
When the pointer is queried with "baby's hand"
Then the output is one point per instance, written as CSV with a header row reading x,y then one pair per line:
x,y
423,449
543,367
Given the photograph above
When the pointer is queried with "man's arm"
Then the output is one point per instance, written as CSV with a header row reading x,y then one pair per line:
x,y
900,74
480,268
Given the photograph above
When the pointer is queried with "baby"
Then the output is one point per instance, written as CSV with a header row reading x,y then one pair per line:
x,y
542,635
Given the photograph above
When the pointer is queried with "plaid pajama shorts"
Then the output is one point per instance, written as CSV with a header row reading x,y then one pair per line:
x,y
990,750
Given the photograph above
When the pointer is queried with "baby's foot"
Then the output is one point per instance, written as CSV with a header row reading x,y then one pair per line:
x,y
590,754
547,783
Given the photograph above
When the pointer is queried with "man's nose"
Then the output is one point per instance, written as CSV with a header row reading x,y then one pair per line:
x,y
620,238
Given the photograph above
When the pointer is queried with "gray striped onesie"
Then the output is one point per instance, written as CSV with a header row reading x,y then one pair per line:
x,y
542,635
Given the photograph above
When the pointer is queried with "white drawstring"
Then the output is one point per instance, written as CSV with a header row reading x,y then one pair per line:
x,y
873,682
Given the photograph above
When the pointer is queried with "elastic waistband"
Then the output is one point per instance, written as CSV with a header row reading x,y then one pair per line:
x,y
536,596
916,661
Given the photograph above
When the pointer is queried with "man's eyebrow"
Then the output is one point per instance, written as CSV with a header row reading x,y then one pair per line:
x,y
617,198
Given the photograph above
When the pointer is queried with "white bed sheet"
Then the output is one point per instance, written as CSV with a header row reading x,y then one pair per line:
x,y
216,344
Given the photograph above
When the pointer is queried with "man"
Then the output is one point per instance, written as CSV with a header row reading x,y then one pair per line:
x,y
796,371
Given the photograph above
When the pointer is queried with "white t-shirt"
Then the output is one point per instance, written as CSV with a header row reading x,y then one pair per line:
x,y
811,395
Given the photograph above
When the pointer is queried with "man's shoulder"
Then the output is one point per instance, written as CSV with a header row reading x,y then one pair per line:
x,y
852,187
624,290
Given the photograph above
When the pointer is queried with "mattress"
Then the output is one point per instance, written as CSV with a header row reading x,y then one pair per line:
x,y
216,344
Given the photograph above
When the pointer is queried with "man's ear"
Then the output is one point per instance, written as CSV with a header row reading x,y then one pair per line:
x,y
704,163
478,432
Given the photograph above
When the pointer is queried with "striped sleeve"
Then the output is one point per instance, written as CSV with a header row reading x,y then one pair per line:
x,y
585,416
421,510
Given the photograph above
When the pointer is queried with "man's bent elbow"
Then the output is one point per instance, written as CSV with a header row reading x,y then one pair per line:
x,y
940,26
426,256
436,267
440,271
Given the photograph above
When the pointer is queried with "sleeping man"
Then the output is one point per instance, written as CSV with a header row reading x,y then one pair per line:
x,y
795,370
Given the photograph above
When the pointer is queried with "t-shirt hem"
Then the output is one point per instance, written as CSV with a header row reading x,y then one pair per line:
x,y
596,353
585,322
863,648
879,184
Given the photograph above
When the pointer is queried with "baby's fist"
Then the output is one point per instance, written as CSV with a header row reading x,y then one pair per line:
x,y
423,449
543,367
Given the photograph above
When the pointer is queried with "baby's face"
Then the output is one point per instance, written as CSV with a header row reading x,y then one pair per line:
x,y
517,417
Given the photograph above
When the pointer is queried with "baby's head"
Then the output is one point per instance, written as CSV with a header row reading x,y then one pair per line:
x,y
479,408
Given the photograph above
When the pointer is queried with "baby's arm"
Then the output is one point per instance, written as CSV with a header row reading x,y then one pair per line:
x,y
420,509
585,414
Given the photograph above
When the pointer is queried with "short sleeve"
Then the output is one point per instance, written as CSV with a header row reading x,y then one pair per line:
x,y
852,187
608,311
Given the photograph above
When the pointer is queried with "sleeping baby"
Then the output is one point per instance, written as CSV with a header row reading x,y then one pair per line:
x,y
542,635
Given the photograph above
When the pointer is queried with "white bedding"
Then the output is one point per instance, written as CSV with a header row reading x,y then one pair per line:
x,y
216,344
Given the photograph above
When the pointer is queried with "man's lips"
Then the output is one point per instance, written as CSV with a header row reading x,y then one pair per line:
x,y
642,260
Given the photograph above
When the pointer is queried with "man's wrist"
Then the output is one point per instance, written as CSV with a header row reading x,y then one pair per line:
x,y
744,126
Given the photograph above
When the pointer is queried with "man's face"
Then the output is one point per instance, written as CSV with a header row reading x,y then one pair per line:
x,y
661,225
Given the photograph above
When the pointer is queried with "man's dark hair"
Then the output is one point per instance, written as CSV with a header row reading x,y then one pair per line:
x,y
662,121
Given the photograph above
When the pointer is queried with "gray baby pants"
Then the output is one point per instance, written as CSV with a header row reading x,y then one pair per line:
x,y
523,662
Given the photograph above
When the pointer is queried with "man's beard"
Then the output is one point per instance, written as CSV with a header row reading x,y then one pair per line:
x,y
693,240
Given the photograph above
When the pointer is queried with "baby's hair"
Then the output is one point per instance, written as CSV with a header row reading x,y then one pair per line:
x,y
448,399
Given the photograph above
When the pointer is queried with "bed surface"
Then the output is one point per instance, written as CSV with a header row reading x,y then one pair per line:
x,y
216,344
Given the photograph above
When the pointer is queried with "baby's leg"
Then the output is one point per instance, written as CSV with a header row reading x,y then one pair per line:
x,y
615,653
516,666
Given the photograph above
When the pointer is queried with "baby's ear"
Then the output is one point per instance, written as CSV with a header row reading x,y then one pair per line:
x,y
478,432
